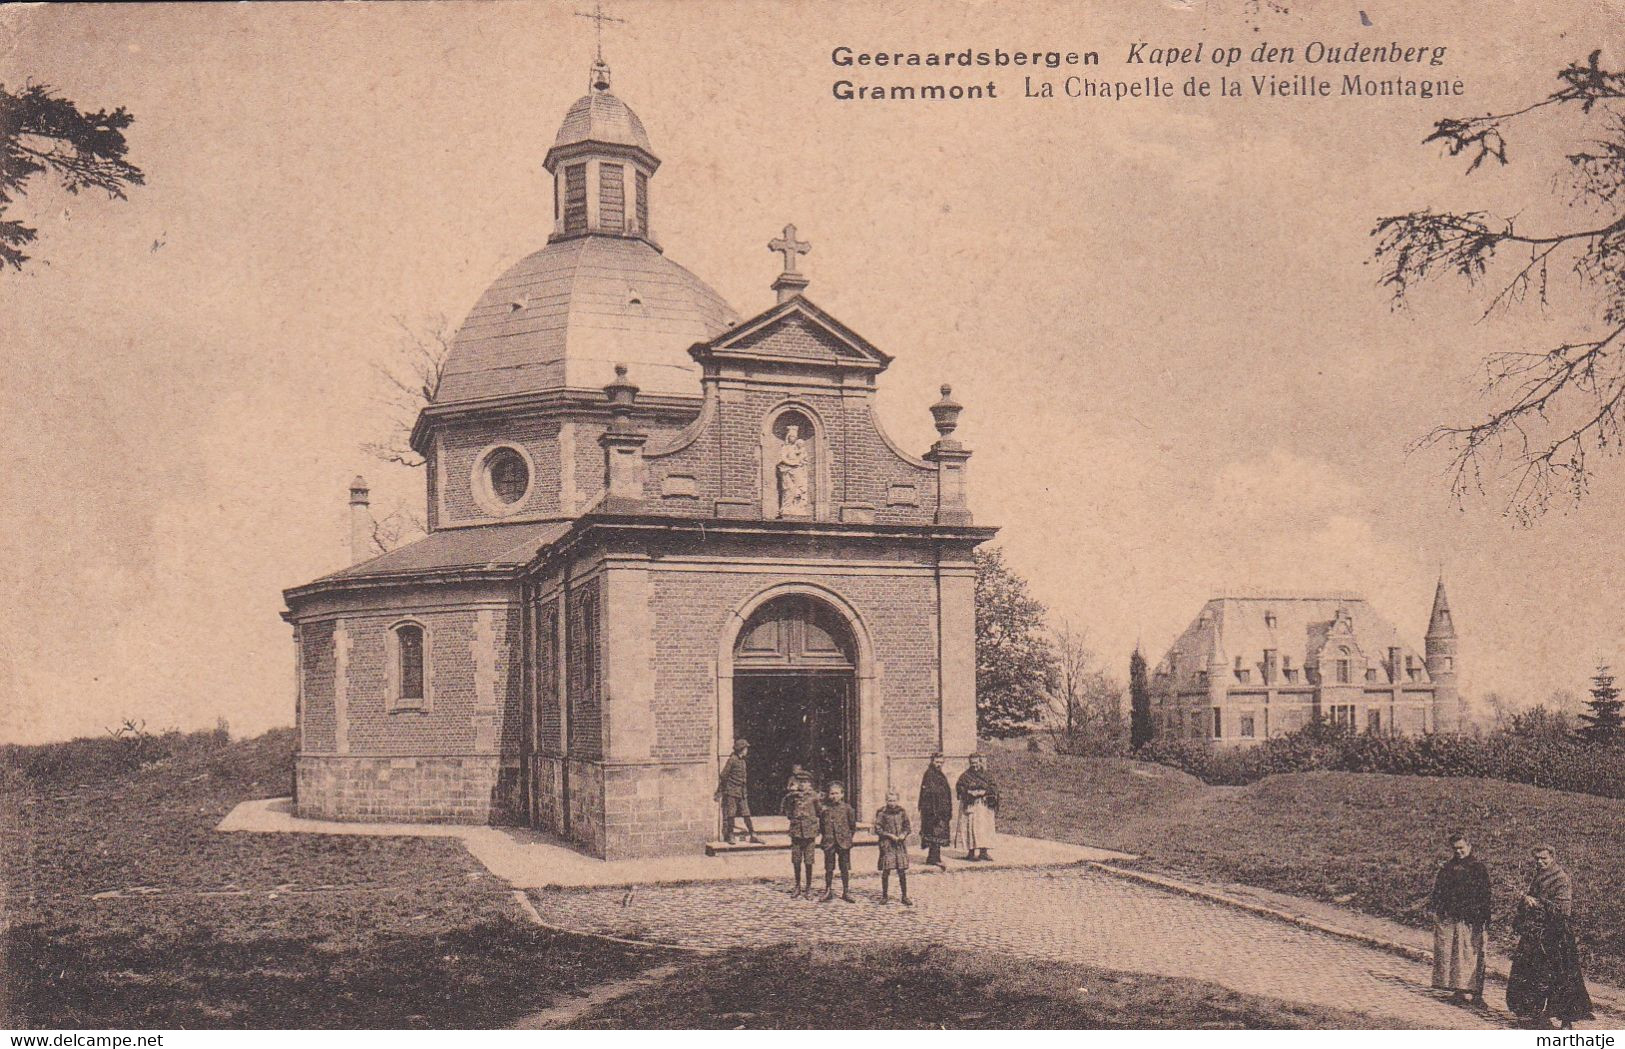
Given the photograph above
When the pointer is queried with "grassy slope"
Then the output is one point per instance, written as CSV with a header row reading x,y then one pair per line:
x,y
211,930
249,930
1369,841
914,988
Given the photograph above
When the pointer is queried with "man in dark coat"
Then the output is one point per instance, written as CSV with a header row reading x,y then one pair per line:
x,y
1460,905
936,811
1546,982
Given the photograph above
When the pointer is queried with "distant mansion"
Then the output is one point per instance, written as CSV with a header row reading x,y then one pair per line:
x,y
1249,668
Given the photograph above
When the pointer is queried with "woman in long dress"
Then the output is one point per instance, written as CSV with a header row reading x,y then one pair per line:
x,y
1546,982
1460,905
978,801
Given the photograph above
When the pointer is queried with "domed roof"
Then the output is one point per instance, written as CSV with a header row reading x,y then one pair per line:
x,y
599,116
563,317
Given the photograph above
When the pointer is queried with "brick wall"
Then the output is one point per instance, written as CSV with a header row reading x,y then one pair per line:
x,y
584,677
858,466
317,666
461,444
692,609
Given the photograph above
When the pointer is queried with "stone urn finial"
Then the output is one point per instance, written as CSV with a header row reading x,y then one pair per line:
x,y
622,396
946,412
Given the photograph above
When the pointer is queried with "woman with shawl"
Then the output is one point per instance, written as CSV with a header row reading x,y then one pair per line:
x,y
978,801
1546,982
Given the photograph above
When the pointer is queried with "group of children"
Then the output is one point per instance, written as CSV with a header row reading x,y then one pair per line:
x,y
831,821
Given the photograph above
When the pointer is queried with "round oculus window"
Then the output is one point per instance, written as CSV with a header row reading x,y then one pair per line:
x,y
507,476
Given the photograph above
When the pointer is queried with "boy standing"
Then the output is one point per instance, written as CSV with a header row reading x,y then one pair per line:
x,y
731,791
892,828
801,808
837,823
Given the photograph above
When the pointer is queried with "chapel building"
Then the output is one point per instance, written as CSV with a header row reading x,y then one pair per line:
x,y
654,526
1248,668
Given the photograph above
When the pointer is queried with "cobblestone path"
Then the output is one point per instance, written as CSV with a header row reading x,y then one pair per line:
x,y
1068,914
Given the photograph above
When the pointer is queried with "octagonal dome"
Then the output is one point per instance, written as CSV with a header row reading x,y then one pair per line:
x,y
601,117
563,317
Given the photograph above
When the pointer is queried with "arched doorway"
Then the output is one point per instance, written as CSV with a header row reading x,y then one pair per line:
x,y
794,697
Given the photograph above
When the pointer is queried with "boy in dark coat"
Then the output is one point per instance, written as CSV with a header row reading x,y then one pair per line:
x,y
837,822
892,828
732,793
801,808
936,812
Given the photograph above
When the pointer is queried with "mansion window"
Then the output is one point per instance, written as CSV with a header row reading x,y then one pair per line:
x,y
1246,727
1343,714
1371,673
1344,670
1218,723
1269,666
1242,673
643,203
1201,678
1373,721
1288,671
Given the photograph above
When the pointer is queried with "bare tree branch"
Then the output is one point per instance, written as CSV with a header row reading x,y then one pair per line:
x,y
409,379
1550,412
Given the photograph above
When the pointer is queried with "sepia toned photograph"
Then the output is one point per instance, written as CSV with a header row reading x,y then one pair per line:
x,y
842,516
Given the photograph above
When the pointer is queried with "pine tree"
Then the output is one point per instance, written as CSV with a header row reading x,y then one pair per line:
x,y
1139,702
42,132
1605,723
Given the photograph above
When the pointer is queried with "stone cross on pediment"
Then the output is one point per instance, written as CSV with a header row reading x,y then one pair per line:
x,y
789,247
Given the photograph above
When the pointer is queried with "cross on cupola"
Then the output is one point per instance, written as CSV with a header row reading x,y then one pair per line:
x,y
791,282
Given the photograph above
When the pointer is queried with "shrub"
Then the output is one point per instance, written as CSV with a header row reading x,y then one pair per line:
x,y
1535,750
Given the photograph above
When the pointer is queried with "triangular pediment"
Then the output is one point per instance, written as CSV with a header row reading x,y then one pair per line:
x,y
796,331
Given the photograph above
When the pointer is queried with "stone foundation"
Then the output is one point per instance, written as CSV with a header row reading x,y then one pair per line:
x,y
467,789
619,812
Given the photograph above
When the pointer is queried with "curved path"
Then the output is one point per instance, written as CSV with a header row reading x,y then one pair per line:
x,y
1068,914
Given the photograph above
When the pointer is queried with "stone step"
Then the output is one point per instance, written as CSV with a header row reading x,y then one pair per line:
x,y
778,841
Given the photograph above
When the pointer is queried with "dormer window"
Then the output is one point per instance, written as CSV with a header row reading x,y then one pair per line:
x,y
1269,666
1269,620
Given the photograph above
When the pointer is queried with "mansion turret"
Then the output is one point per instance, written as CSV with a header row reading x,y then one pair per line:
x,y
1248,668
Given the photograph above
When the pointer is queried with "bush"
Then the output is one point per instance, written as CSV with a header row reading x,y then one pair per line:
x,y
1537,751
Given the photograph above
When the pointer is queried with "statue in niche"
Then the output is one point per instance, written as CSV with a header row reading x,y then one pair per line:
x,y
795,498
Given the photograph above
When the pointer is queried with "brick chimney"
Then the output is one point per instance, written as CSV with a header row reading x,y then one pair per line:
x,y
360,522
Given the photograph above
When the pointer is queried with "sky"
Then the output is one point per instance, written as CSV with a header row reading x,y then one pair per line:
x,y
1181,377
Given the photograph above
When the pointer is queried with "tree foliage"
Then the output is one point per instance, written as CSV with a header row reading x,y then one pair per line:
x,y
1140,727
1551,410
1015,665
42,132
1604,722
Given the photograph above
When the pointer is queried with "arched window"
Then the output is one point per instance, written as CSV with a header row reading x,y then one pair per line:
x,y
409,639
408,666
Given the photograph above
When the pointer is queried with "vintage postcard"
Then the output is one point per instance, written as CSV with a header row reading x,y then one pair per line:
x,y
821,516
